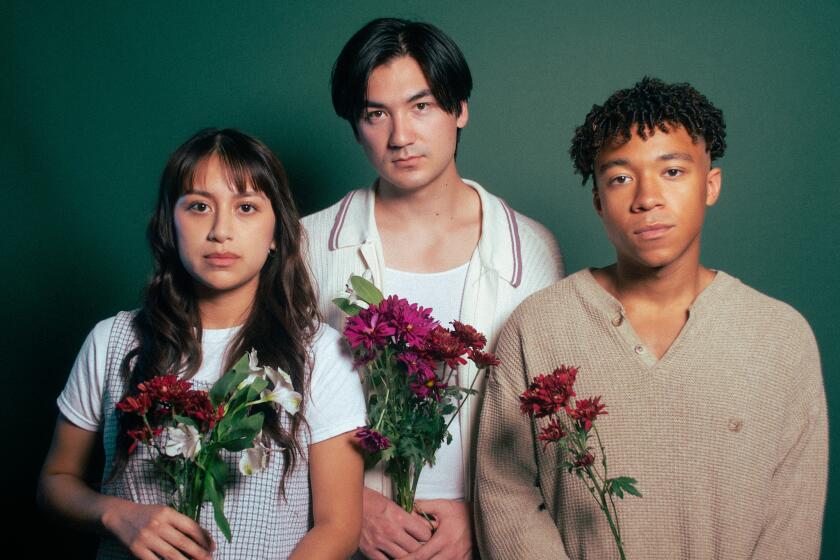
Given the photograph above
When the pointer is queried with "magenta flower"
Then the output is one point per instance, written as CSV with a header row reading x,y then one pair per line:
x,y
371,440
415,363
411,322
368,329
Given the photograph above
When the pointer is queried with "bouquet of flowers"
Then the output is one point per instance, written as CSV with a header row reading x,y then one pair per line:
x,y
408,359
187,429
571,425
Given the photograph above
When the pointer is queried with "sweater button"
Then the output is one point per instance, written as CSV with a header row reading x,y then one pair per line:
x,y
617,320
639,349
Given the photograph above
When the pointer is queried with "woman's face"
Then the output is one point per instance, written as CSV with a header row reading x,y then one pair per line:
x,y
223,236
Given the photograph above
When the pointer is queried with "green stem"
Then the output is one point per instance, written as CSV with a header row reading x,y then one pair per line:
x,y
462,401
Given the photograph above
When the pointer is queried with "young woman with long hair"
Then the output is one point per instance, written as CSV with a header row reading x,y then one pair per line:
x,y
229,276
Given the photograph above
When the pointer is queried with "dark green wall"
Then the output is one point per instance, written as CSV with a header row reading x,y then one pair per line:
x,y
94,97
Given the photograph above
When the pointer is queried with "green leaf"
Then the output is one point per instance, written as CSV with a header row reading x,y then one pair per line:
x,y
366,291
218,469
619,485
216,495
229,381
350,308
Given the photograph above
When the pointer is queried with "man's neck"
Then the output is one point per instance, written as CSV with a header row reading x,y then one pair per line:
x,y
429,229
677,285
433,204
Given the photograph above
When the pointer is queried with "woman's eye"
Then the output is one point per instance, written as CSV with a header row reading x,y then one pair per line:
x,y
247,208
198,207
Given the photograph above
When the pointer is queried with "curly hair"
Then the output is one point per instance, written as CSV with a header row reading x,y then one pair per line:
x,y
649,105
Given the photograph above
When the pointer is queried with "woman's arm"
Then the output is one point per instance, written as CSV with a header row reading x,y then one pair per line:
x,y
335,472
148,531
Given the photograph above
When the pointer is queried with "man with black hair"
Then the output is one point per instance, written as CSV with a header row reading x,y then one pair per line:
x,y
428,235
714,390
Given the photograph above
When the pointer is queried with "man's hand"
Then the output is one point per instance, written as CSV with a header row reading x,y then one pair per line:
x,y
388,531
453,538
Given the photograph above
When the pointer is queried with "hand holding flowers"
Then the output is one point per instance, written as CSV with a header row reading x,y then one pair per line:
x,y
188,429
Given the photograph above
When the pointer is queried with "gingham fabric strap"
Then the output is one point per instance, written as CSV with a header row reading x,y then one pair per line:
x,y
264,523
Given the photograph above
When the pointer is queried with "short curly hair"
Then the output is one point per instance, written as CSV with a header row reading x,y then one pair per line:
x,y
648,105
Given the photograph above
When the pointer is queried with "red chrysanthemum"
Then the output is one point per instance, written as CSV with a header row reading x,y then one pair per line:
x,y
548,394
483,360
586,411
552,432
443,346
468,335
584,461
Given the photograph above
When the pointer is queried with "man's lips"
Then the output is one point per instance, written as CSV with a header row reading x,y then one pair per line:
x,y
221,259
652,231
406,161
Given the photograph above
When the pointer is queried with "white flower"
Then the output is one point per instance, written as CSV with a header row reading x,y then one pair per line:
x,y
253,460
182,440
256,370
351,295
283,393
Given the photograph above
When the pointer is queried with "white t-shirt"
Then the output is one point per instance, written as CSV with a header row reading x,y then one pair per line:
x,y
442,291
335,402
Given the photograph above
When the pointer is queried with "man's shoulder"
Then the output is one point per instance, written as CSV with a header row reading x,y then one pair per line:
x,y
761,311
549,304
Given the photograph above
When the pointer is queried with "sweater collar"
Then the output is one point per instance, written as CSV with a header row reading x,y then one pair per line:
x,y
499,246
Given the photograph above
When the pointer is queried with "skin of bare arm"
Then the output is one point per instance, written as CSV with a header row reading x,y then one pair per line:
x,y
336,476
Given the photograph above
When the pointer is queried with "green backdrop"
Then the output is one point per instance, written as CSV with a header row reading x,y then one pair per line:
x,y
96,95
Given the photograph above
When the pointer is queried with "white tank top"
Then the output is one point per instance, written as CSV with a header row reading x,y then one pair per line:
x,y
442,291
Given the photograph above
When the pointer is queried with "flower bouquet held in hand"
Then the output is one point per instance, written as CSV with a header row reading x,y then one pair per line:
x,y
409,361
187,429
571,425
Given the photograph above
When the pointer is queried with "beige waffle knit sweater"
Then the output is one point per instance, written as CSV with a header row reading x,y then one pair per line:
x,y
726,433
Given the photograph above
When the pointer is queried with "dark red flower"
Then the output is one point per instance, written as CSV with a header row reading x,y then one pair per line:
x,y
371,440
442,345
137,404
468,335
483,360
552,432
548,394
165,389
586,411
584,461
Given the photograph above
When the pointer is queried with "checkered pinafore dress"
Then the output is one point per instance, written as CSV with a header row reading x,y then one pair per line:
x,y
263,523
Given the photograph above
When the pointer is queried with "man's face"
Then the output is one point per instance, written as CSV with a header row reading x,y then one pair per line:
x,y
652,196
407,136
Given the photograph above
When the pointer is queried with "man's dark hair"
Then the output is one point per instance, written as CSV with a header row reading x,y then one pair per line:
x,y
649,105
383,39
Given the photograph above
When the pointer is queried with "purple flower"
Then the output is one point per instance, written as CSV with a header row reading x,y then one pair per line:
x,y
411,322
368,329
371,440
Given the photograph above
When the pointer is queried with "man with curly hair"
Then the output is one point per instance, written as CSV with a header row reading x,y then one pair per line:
x,y
714,390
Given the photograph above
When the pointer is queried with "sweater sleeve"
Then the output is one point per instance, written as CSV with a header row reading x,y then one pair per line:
x,y
511,517
793,526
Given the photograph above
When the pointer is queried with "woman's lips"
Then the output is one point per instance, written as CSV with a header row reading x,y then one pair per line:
x,y
221,259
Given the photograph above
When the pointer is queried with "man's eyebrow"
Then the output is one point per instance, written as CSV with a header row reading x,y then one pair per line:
x,y
683,156
612,163
414,97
